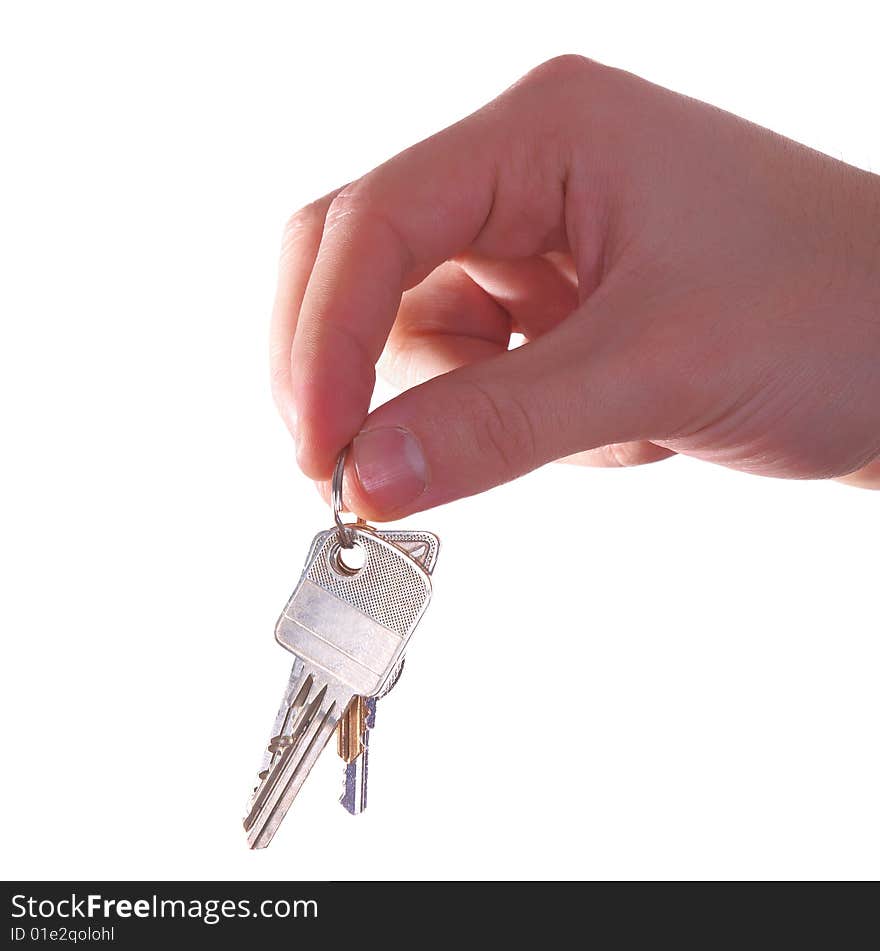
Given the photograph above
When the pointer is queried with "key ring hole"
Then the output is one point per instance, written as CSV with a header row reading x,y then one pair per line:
x,y
348,561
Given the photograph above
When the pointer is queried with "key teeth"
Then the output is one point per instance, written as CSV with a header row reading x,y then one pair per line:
x,y
311,708
260,833
296,694
307,732
354,785
355,774
370,719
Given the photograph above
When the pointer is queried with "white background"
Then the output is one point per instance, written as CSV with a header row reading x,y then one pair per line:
x,y
667,672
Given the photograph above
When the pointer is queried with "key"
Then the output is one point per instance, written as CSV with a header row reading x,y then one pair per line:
x,y
348,629
353,746
353,731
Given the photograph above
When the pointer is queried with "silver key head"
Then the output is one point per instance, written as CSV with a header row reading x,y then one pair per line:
x,y
355,623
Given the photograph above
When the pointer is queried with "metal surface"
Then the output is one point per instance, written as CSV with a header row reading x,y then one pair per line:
x,y
423,547
349,631
355,627
351,729
354,778
345,535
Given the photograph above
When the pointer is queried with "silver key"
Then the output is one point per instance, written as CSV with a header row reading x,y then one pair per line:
x,y
353,731
349,630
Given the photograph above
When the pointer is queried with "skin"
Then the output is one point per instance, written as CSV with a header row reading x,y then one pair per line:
x,y
686,282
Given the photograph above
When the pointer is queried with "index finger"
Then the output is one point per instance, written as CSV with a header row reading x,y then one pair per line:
x,y
492,182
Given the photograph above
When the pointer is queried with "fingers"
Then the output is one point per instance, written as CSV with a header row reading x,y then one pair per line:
x,y
494,182
465,311
621,455
443,323
868,477
537,292
448,321
484,424
299,248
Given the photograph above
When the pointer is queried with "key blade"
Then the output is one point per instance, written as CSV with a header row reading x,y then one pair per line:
x,y
348,629
354,788
353,732
290,702
351,729
354,791
306,728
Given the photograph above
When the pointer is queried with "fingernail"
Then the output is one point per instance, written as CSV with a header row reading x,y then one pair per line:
x,y
390,467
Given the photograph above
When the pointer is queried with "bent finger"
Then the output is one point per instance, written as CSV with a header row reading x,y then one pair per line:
x,y
299,248
443,323
487,423
494,182
621,455
868,477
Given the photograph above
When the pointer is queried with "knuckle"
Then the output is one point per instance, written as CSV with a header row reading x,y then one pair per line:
x,y
303,221
404,361
622,455
343,199
360,206
553,99
396,363
867,477
303,217
563,70
626,455
363,205
350,198
352,353
503,428
312,218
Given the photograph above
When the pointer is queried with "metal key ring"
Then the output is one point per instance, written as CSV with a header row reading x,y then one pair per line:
x,y
346,536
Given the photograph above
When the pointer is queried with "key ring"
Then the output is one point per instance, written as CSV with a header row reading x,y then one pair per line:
x,y
344,533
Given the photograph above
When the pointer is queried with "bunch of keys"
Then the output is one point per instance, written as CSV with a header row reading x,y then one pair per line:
x,y
348,626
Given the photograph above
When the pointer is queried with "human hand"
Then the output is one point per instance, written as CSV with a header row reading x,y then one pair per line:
x,y
686,282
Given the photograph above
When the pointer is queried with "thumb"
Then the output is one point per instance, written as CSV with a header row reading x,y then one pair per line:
x,y
487,423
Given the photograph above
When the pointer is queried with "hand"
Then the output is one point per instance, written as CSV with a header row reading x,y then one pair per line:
x,y
685,281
